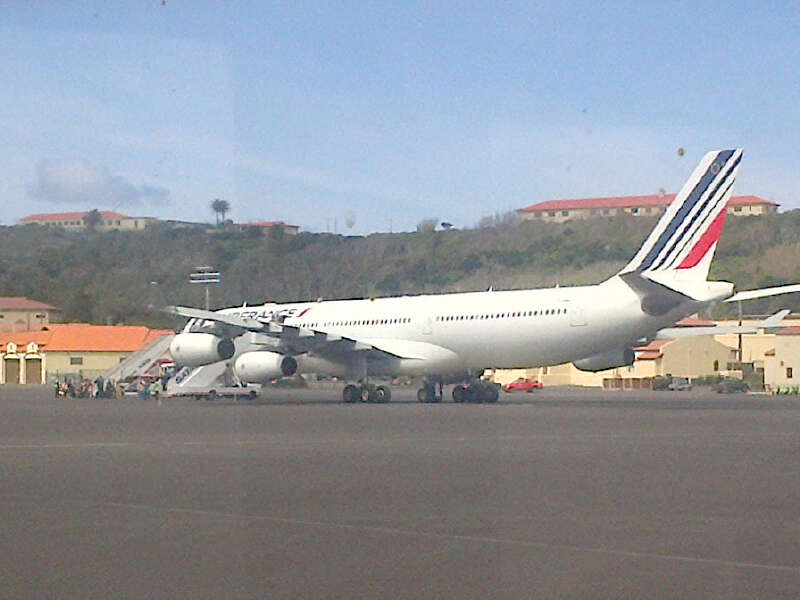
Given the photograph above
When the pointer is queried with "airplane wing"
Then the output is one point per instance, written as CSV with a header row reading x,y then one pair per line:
x,y
298,340
684,332
764,292
210,315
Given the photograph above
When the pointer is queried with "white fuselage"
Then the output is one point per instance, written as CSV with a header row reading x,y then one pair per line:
x,y
593,326
448,333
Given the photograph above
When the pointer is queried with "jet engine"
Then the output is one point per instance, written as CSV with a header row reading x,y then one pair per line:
x,y
198,349
262,366
619,357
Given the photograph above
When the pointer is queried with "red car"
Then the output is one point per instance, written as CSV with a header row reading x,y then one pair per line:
x,y
522,385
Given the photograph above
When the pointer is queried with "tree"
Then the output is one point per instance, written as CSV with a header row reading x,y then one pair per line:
x,y
220,208
93,218
427,225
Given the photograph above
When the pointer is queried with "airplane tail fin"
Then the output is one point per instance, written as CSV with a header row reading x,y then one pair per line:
x,y
682,244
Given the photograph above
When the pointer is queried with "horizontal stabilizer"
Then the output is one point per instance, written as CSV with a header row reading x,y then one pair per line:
x,y
671,333
764,292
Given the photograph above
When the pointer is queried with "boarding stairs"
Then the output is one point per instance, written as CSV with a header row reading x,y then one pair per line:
x,y
139,363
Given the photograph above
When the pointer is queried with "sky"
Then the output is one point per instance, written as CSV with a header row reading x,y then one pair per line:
x,y
367,116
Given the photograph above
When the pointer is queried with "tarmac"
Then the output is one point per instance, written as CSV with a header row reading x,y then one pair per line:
x,y
556,494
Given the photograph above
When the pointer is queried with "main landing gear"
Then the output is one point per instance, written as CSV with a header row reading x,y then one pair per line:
x,y
366,392
431,390
476,391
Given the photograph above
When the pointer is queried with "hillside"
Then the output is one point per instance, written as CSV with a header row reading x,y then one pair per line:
x,y
106,277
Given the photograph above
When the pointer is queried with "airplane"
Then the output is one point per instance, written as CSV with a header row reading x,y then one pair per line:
x,y
459,335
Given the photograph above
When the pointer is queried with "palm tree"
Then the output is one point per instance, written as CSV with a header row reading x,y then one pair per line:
x,y
220,208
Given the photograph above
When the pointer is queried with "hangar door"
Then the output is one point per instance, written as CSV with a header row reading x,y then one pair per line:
x,y
33,370
12,370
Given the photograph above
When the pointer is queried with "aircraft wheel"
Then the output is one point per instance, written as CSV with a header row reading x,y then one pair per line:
x,y
490,393
350,393
460,394
424,394
383,394
472,393
368,393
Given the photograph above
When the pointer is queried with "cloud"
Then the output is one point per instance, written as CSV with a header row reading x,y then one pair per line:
x,y
79,182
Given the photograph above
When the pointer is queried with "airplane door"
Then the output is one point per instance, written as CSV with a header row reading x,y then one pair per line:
x,y
427,325
577,317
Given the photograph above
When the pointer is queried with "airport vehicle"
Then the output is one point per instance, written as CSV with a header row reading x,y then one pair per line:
x,y
596,326
679,384
731,385
660,383
214,393
523,384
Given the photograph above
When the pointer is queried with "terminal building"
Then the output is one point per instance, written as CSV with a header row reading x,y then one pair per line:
x,y
558,211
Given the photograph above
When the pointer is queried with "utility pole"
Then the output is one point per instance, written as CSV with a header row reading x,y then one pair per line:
x,y
740,335
206,275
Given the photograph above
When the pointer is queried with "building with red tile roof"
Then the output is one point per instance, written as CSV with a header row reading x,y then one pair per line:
x,y
83,337
18,313
695,321
652,350
782,361
654,204
265,225
108,220
792,330
70,349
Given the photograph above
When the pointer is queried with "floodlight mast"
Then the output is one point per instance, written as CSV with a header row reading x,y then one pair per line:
x,y
206,275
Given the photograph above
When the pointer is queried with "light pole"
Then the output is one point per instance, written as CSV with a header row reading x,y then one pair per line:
x,y
741,358
206,275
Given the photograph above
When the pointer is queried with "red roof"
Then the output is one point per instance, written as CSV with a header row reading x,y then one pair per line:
x,y
267,224
631,202
654,346
72,216
794,330
648,355
22,303
24,338
82,337
694,321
